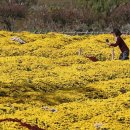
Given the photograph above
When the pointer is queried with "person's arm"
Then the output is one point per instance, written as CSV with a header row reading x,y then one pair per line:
x,y
115,44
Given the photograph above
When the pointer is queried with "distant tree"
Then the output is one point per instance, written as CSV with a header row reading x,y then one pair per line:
x,y
121,15
12,10
27,2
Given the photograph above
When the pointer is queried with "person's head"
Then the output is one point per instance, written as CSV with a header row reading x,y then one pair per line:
x,y
116,32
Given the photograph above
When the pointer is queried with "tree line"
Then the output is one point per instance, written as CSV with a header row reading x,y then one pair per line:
x,y
65,15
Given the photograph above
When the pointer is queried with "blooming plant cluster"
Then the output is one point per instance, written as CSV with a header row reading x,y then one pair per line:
x,y
50,83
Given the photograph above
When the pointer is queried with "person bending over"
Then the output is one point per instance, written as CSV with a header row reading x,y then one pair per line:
x,y
122,45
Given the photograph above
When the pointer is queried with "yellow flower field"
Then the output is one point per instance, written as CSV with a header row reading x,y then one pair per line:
x,y
50,83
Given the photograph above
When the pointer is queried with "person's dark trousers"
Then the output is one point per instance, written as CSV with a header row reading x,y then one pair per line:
x,y
124,55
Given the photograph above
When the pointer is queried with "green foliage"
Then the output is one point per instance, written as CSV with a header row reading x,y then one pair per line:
x,y
104,5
